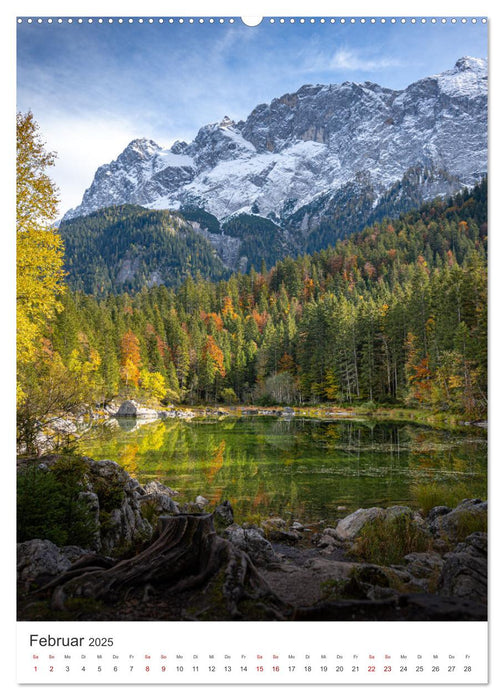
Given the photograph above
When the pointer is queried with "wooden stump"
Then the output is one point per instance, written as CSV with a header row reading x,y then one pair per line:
x,y
187,553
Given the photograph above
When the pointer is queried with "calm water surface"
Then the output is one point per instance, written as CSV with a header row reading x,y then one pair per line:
x,y
302,468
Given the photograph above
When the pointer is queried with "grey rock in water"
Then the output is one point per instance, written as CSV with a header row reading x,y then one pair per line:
x,y
131,409
128,408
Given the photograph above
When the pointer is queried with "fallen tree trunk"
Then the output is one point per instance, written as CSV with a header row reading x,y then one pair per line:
x,y
187,554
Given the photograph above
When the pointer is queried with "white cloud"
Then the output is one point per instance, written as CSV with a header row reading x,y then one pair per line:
x,y
82,144
348,60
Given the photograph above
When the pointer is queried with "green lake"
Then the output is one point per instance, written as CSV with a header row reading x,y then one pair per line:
x,y
305,469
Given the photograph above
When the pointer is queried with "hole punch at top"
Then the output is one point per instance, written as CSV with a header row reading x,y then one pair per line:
x,y
252,21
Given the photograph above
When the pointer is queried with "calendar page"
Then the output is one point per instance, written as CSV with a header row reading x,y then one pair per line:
x,y
251,349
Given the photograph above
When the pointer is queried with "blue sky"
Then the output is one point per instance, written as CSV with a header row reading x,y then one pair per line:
x,y
95,87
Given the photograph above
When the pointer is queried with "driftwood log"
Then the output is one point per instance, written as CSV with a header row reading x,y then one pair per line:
x,y
187,553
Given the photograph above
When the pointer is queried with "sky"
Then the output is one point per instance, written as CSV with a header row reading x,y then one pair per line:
x,y
94,87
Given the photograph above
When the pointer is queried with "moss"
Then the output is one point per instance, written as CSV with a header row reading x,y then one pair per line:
x,y
333,589
83,606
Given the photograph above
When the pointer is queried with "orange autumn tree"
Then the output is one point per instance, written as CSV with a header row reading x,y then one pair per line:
x,y
211,365
131,360
418,372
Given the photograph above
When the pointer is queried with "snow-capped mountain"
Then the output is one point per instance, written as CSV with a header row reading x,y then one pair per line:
x,y
310,153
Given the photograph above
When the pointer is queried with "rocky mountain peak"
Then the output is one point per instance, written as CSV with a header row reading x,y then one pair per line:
x,y
306,147
478,65
142,148
226,123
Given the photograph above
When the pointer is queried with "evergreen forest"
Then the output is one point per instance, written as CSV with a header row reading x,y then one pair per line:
x,y
394,314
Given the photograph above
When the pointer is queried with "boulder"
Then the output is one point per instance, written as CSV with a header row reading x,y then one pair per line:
x,y
131,409
424,565
122,527
394,512
348,528
92,502
437,511
223,514
159,498
38,561
115,502
275,529
270,523
155,487
297,526
464,573
328,540
454,525
253,542
128,409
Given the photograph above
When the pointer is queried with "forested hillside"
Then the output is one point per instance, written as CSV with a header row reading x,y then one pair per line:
x,y
396,312
122,248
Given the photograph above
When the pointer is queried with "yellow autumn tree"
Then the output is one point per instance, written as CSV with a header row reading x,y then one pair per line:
x,y
39,248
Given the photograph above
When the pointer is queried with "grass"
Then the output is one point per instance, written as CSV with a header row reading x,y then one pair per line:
x,y
435,494
386,541
469,522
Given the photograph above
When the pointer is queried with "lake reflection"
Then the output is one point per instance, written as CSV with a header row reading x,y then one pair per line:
x,y
302,468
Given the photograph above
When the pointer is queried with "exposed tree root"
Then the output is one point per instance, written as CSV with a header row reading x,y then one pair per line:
x,y
186,555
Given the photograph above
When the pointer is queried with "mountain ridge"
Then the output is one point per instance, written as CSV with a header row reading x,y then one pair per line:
x,y
306,144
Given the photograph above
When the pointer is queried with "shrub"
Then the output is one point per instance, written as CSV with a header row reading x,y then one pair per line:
x,y
228,396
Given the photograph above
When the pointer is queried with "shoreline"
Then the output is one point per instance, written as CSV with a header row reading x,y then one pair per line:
x,y
371,555
331,412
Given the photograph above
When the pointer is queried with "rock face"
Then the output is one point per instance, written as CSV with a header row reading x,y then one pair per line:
x,y
116,501
38,561
118,511
122,512
314,151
